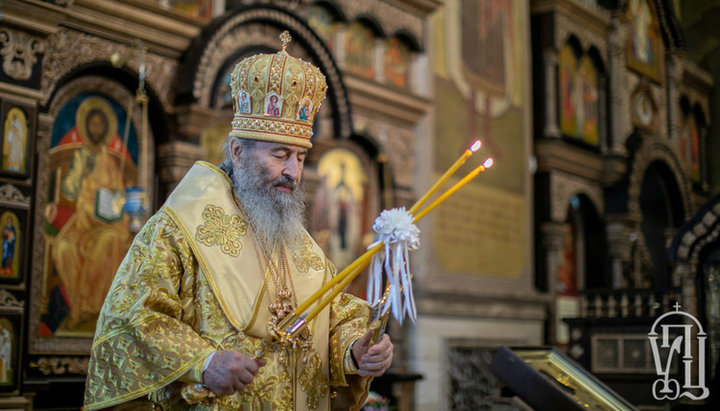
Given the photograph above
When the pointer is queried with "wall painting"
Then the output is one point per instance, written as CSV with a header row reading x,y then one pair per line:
x,y
480,63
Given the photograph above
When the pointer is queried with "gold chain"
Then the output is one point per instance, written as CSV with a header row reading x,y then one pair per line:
x,y
285,297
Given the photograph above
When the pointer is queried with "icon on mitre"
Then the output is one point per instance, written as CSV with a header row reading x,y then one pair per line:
x,y
244,102
273,104
304,109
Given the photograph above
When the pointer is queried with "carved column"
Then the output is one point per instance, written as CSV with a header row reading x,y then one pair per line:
x,y
602,115
551,129
553,241
618,236
339,46
685,272
173,161
378,60
674,74
619,97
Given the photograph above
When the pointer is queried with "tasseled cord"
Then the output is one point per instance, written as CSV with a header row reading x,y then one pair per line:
x,y
396,230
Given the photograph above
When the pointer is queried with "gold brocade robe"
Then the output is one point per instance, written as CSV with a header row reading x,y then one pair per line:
x,y
191,284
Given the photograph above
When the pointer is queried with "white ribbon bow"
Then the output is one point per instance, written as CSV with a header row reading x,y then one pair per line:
x,y
396,230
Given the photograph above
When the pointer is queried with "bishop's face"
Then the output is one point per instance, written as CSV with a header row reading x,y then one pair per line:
x,y
283,164
266,180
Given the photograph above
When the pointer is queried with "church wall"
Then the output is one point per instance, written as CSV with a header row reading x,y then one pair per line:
x,y
490,104
467,296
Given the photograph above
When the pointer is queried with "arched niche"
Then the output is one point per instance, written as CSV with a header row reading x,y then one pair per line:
x,y
250,30
344,186
695,255
648,149
584,248
662,213
325,17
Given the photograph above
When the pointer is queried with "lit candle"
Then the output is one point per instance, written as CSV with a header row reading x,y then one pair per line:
x,y
365,258
479,169
358,265
450,171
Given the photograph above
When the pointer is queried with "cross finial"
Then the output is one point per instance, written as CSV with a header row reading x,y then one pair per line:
x,y
677,306
285,38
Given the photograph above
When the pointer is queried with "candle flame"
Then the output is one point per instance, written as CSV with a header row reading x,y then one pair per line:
x,y
476,146
488,163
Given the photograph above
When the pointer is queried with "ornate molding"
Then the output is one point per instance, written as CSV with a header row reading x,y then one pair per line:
x,y
11,195
653,149
396,143
19,53
704,230
618,98
61,365
564,186
223,45
217,49
70,49
553,236
9,302
418,6
567,26
391,18
61,3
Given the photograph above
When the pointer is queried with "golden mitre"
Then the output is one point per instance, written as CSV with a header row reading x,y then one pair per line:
x,y
276,97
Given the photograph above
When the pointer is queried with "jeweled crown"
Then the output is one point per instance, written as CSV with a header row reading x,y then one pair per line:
x,y
276,97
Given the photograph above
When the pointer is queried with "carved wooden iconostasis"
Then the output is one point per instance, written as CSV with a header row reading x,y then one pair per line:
x,y
18,133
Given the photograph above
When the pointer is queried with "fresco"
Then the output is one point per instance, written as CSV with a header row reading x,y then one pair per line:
x,y
480,62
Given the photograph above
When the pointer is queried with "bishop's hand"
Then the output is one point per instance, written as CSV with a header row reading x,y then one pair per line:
x,y
231,371
372,361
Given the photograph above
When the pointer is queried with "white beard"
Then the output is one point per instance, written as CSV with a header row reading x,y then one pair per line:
x,y
277,217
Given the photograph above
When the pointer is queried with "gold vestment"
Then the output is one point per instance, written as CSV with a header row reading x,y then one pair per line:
x,y
190,285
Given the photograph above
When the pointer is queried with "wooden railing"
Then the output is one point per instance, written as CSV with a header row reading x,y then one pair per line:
x,y
627,303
